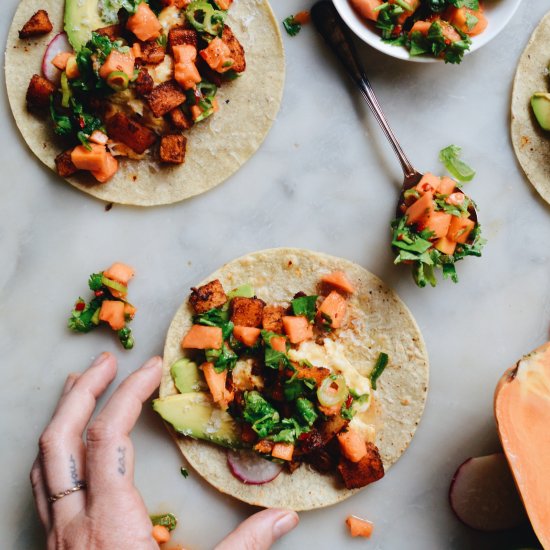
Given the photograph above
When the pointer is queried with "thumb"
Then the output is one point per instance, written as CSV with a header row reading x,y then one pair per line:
x,y
260,531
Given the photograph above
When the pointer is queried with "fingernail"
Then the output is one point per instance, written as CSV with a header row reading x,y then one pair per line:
x,y
154,362
101,359
285,524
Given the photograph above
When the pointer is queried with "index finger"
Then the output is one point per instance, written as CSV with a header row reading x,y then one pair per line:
x,y
110,454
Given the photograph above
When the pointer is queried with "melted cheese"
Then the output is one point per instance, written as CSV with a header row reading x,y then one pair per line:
x,y
163,71
171,17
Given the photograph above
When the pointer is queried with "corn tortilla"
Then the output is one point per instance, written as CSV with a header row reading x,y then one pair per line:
x,y
379,321
531,143
216,148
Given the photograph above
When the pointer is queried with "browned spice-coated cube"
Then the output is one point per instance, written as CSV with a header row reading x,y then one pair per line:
x,y
247,312
152,52
367,470
144,83
208,296
39,92
172,148
179,119
165,97
178,36
112,32
37,25
236,49
272,318
64,164
314,373
130,132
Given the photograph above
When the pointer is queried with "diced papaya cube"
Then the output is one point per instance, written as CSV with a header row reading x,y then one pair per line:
x,y
352,445
144,23
60,60
429,183
414,4
420,210
450,34
112,312
218,56
202,337
339,280
422,27
445,246
438,223
187,75
224,4
359,527
284,451
216,381
463,19
460,229
184,53
334,307
367,8
108,170
278,343
120,272
71,68
297,329
447,186
246,335
129,310
118,62
89,159
161,534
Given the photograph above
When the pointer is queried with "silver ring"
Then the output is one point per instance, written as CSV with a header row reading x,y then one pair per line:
x,y
80,485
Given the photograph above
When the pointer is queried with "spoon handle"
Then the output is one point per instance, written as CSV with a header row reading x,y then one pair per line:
x,y
332,28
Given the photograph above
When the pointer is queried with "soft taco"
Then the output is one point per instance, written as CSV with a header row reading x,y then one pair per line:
x,y
148,104
531,142
282,353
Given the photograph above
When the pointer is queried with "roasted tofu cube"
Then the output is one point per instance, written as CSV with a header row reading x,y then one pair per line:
x,y
152,52
64,164
178,36
272,318
236,49
39,92
172,148
247,312
314,373
112,32
179,119
144,83
165,97
207,297
37,25
367,470
130,132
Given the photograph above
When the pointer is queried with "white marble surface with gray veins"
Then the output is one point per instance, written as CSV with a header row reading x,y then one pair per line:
x,y
324,179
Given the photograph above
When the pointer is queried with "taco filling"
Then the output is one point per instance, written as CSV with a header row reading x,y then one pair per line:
x,y
274,379
132,87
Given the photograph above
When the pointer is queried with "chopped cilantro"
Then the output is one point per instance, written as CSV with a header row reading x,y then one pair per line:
x,y
259,413
215,318
292,27
306,411
184,473
305,306
223,359
450,157
273,359
166,520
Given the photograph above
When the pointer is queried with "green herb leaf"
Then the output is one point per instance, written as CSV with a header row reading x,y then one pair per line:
x,y
259,413
184,473
166,520
378,369
450,157
292,27
305,306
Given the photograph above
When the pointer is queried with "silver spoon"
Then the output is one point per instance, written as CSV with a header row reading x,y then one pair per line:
x,y
332,28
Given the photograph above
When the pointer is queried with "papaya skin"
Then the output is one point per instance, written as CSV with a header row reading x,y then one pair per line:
x,y
522,414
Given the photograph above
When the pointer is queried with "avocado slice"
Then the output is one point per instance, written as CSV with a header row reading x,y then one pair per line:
x,y
540,102
195,415
81,18
187,377
243,291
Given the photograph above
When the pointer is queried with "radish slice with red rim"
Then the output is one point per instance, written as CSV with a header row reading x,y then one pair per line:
x,y
483,494
59,44
252,469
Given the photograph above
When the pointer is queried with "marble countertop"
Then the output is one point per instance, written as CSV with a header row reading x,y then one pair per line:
x,y
324,179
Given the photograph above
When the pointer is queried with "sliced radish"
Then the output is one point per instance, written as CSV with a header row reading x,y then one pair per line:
x,y
252,469
483,494
59,44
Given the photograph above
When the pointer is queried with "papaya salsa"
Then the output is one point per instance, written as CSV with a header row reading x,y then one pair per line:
x,y
276,381
438,228
132,87
440,28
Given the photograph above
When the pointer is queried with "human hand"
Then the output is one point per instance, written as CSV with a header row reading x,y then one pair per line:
x,y
91,518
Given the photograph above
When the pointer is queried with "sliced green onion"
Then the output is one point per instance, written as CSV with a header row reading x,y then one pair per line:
x,y
450,157
118,81
207,89
95,316
382,7
404,5
66,92
332,391
115,285
378,369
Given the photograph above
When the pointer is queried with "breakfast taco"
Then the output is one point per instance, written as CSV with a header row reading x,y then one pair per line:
x,y
144,102
531,141
292,378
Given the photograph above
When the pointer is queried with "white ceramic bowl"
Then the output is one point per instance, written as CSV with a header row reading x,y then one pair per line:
x,y
498,13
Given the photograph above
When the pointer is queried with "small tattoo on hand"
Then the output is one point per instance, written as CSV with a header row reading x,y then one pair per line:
x,y
121,460
74,471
